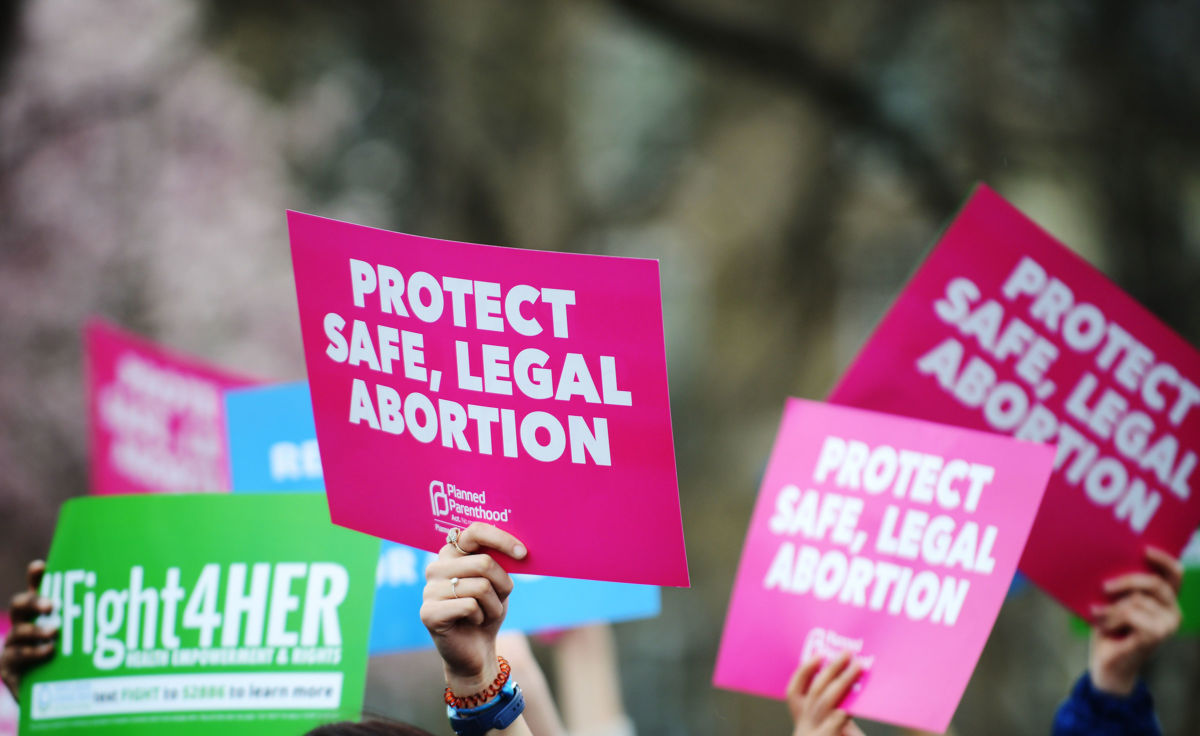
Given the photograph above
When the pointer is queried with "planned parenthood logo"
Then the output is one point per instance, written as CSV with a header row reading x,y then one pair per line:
x,y
827,644
455,507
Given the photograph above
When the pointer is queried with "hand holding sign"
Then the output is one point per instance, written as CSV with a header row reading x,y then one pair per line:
x,y
28,644
814,693
1144,614
466,599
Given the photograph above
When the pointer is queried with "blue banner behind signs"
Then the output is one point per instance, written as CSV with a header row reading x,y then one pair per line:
x,y
273,449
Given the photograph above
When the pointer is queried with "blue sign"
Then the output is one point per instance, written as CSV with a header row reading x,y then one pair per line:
x,y
273,449
273,440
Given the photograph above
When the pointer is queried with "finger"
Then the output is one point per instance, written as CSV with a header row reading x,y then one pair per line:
x,y
25,657
441,616
481,590
1149,609
472,566
840,686
1112,620
1153,622
27,606
1146,623
27,633
34,572
1136,617
803,676
1141,582
480,537
831,670
852,729
1167,566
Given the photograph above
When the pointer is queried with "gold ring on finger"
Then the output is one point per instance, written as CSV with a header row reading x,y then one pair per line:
x,y
452,538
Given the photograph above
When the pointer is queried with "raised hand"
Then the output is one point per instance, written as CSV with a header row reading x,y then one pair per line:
x,y
466,599
814,693
1144,613
28,644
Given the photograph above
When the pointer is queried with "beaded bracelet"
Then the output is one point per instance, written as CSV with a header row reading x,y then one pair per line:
x,y
479,698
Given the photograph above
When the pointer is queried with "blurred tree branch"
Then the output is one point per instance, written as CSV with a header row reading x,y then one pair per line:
x,y
789,63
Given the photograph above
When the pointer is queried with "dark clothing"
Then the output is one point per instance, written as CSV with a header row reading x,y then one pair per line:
x,y
1090,712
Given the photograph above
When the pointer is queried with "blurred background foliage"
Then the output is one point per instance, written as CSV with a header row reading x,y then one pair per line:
x,y
788,162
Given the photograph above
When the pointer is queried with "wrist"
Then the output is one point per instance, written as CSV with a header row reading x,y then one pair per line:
x,y
1113,681
467,683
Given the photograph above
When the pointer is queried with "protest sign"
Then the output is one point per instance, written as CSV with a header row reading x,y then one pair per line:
x,y
1004,329
8,706
155,419
191,614
455,383
273,439
273,449
892,538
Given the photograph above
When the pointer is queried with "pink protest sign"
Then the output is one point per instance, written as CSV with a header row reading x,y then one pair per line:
x,y
1004,329
156,419
892,538
454,383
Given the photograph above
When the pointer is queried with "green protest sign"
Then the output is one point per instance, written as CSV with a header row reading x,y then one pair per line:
x,y
191,613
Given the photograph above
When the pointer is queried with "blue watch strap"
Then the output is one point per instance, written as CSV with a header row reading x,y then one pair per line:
x,y
504,694
498,715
